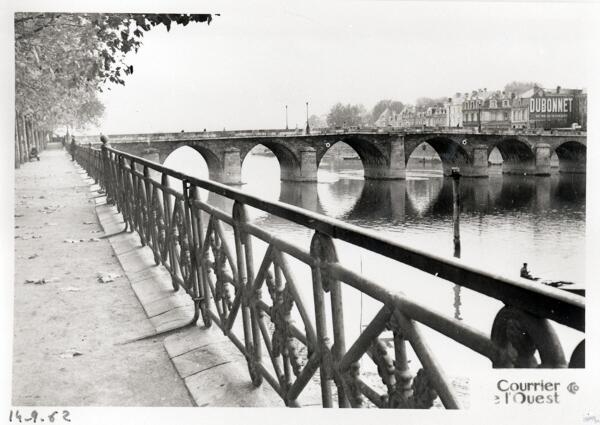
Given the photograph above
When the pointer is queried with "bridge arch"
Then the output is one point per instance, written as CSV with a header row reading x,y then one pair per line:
x,y
571,157
339,161
296,160
518,156
452,152
375,161
190,160
289,163
212,160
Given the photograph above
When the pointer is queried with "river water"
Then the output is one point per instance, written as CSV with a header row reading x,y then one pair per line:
x,y
505,221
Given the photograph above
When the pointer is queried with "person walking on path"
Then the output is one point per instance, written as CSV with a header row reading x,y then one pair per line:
x,y
73,148
104,140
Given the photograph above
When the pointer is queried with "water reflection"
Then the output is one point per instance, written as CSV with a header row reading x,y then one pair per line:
x,y
426,201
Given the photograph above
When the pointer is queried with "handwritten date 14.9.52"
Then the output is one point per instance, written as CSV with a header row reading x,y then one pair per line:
x,y
35,417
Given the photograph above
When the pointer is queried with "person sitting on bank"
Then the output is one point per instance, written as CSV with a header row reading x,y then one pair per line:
x,y
34,154
525,273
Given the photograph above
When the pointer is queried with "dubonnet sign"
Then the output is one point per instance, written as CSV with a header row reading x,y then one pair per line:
x,y
551,105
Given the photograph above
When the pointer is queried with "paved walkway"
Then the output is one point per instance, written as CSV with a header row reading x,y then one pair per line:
x,y
70,329
81,341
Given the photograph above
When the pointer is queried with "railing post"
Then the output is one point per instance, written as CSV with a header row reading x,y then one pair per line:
x,y
135,199
323,250
195,288
105,181
168,217
203,286
245,266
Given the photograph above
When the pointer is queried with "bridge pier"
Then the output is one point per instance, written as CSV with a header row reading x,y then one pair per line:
x,y
305,171
478,166
231,167
542,159
479,163
395,169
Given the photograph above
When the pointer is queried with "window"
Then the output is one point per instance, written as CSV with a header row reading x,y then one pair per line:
x,y
492,104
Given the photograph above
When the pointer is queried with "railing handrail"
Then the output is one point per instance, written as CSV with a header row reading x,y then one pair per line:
x,y
552,303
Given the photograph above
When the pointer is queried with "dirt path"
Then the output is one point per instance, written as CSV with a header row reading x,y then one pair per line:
x,y
68,331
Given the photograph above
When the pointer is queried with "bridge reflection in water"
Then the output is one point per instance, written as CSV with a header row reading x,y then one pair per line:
x,y
291,299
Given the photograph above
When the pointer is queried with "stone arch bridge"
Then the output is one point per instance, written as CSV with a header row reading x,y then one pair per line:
x,y
383,154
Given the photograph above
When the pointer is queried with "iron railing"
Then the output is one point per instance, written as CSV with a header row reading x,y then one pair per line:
x,y
188,237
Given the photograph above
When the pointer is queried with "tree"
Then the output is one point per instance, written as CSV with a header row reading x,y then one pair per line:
x,y
382,105
316,121
63,59
346,115
518,87
426,102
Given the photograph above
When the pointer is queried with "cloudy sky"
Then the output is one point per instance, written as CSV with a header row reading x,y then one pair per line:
x,y
240,71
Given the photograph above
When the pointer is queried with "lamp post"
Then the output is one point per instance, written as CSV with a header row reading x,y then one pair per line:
x,y
455,174
307,126
479,114
286,118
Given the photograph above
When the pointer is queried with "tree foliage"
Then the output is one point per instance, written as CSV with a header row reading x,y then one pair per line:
x,y
63,59
426,102
382,105
519,87
316,121
346,115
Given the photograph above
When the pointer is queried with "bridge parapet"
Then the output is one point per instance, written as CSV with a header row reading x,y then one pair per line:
x,y
209,254
174,136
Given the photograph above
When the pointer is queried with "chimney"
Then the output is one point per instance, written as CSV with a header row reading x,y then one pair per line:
x,y
557,89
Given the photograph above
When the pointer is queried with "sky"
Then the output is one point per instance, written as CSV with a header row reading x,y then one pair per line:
x,y
240,71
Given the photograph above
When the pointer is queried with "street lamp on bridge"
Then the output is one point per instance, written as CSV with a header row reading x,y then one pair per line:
x,y
286,118
307,126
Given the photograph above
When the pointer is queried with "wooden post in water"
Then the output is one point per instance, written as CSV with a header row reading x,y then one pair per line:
x,y
456,209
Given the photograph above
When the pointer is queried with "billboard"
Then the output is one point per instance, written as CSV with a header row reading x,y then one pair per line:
x,y
551,105
553,111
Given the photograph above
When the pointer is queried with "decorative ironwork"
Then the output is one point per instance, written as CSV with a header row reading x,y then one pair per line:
x,y
521,335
